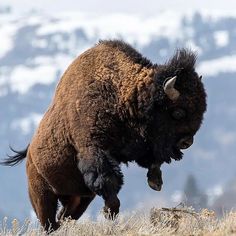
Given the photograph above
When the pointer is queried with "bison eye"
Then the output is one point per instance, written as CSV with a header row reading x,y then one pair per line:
x,y
178,114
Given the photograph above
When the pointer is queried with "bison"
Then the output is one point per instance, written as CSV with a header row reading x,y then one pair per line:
x,y
111,106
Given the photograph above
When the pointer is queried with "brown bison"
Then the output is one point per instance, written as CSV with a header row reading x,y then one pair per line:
x,y
111,106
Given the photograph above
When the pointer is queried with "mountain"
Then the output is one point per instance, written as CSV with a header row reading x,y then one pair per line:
x,y
36,48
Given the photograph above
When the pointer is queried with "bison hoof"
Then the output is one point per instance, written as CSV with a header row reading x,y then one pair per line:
x,y
155,185
155,177
111,208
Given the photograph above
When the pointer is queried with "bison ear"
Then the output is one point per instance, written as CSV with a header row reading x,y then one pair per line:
x,y
200,77
169,89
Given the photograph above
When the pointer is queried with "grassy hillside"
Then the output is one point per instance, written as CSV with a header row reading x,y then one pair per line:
x,y
163,221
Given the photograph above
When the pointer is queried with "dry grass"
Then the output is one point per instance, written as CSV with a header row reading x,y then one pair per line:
x,y
165,221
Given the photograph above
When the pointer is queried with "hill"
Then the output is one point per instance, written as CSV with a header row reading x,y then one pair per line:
x,y
38,47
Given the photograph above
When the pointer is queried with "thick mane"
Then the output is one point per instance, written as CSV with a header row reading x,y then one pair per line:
x,y
130,52
182,63
183,59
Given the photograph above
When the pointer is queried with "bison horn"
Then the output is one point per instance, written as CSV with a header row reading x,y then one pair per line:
x,y
170,91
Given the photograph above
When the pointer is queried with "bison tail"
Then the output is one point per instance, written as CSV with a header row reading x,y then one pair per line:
x,y
15,159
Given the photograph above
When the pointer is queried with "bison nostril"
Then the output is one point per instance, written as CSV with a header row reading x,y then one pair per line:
x,y
185,142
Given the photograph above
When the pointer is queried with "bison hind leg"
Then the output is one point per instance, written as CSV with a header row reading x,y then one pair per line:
x,y
74,206
43,200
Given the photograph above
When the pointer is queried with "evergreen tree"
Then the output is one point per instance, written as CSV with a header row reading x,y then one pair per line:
x,y
193,196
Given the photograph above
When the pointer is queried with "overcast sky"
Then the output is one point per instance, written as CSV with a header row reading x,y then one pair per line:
x,y
144,7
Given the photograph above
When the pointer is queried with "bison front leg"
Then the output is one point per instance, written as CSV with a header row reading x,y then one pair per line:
x,y
103,176
111,208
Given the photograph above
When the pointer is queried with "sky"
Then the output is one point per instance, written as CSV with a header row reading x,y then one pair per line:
x,y
143,7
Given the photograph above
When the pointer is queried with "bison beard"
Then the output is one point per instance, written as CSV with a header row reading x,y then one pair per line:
x,y
111,106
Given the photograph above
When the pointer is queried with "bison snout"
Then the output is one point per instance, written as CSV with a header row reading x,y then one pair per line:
x,y
185,142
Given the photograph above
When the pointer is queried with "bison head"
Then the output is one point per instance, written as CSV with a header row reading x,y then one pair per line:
x,y
177,111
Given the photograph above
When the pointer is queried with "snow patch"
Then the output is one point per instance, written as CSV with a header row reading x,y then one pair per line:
x,y
45,71
60,61
214,67
221,38
192,45
26,124
133,28
22,78
7,32
177,197
213,193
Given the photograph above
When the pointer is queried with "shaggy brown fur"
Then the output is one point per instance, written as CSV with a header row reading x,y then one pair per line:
x,y
109,108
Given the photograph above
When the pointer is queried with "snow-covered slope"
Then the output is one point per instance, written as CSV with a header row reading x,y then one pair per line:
x,y
36,48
